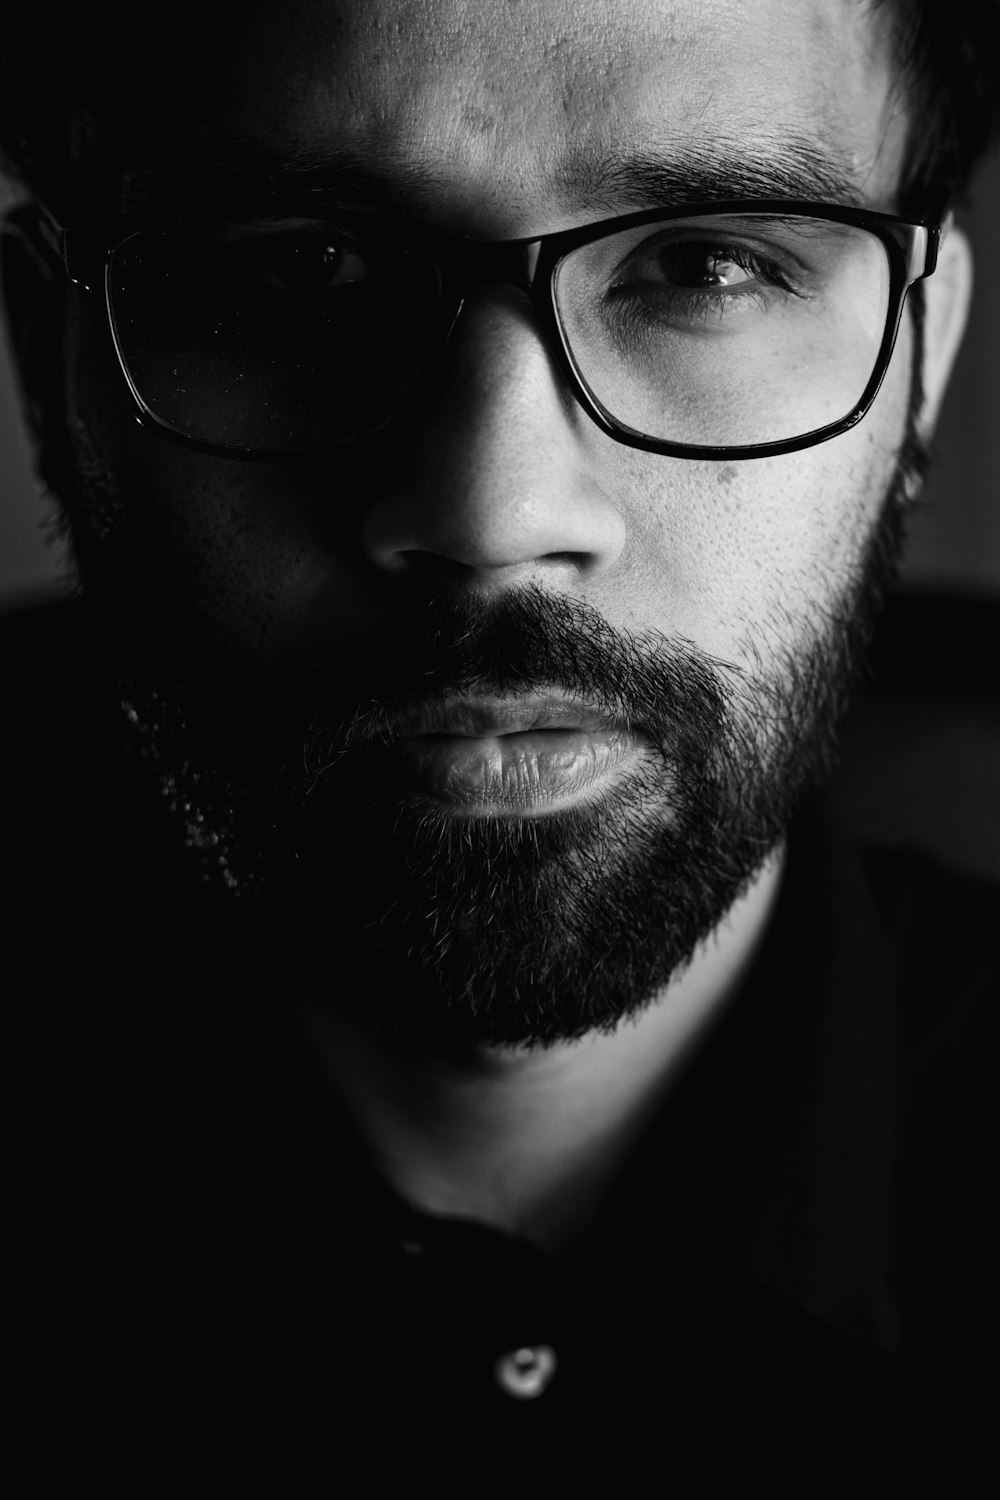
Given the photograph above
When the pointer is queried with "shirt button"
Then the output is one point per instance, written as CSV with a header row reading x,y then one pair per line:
x,y
527,1372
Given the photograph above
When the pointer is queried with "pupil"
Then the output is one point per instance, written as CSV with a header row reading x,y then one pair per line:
x,y
311,264
693,265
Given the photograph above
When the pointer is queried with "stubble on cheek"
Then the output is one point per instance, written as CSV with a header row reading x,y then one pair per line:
x,y
189,562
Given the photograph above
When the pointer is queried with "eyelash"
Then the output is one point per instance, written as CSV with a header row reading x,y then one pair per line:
x,y
699,304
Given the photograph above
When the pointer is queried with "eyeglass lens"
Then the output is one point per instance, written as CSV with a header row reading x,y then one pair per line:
x,y
727,330
273,340
720,330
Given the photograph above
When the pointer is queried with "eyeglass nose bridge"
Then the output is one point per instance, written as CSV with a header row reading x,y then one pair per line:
x,y
474,265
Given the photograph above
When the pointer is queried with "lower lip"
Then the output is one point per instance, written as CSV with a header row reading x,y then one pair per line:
x,y
534,771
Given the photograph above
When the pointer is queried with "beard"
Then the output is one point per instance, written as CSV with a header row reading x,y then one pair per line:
x,y
459,932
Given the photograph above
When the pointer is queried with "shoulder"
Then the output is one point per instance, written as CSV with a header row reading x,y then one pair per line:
x,y
877,1210
944,927
941,925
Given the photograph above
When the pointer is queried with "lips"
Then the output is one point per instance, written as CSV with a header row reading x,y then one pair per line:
x,y
486,717
525,755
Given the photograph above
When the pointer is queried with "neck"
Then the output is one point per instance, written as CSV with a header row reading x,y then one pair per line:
x,y
532,1140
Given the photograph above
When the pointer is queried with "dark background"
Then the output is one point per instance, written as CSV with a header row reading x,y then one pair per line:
x,y
955,542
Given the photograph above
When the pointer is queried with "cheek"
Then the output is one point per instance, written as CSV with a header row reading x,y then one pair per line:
x,y
226,567
722,551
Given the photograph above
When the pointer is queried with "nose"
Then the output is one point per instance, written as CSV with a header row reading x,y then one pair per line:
x,y
500,475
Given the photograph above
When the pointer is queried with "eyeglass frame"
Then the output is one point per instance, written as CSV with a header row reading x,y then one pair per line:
x,y
529,264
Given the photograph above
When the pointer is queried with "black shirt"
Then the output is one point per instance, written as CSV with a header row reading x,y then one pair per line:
x,y
792,1288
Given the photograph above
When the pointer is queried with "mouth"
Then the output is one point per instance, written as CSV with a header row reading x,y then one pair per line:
x,y
520,756
487,717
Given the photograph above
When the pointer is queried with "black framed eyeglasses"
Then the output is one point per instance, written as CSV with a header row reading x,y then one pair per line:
x,y
733,329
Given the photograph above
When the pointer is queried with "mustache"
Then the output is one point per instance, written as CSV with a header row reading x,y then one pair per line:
x,y
525,641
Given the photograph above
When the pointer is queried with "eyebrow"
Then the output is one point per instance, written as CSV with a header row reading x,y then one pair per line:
x,y
787,166
248,175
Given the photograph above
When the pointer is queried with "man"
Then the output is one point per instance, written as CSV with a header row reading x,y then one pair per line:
x,y
459,1053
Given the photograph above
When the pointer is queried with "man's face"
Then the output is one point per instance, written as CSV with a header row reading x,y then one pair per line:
x,y
458,555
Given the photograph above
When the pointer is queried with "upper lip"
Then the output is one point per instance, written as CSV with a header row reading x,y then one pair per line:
x,y
483,716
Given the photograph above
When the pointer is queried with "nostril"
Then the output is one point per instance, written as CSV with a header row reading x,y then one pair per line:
x,y
425,562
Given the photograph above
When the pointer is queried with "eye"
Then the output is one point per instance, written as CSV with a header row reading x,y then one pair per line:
x,y
315,262
694,265
701,265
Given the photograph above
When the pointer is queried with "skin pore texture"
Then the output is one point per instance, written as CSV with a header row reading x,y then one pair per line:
x,y
260,608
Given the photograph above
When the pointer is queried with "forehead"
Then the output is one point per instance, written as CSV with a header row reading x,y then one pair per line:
x,y
514,116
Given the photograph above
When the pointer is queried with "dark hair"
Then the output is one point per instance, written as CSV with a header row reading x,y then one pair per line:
x,y
948,61
948,70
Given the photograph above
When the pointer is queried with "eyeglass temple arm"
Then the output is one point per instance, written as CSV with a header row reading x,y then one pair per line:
x,y
924,250
72,249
